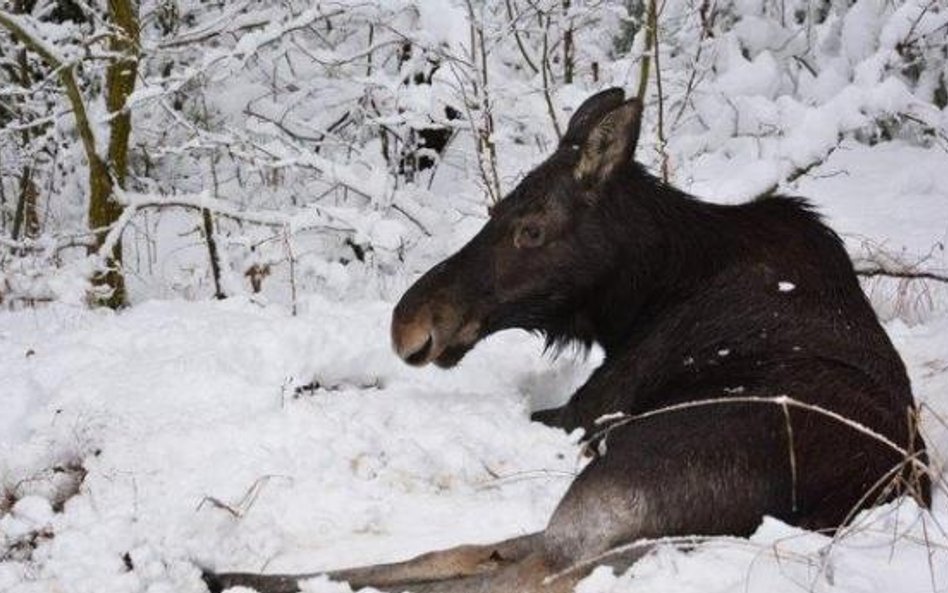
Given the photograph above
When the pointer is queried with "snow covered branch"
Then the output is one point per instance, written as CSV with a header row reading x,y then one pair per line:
x,y
23,30
313,218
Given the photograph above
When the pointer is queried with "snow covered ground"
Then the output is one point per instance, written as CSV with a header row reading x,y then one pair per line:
x,y
135,447
177,409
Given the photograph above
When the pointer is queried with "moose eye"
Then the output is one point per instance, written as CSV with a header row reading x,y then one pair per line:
x,y
528,235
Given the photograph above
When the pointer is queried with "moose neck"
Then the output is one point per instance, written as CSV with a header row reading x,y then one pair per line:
x,y
666,243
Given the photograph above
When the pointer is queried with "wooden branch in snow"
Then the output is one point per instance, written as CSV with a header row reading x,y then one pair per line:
x,y
797,173
876,262
46,244
516,33
22,30
204,202
312,218
801,171
547,75
877,271
646,54
28,36
660,130
231,22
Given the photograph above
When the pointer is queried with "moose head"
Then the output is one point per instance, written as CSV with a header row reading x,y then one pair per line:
x,y
541,254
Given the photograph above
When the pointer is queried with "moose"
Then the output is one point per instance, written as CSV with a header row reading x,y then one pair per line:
x,y
745,373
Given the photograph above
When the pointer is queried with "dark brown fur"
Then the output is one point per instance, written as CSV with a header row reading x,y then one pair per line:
x,y
691,302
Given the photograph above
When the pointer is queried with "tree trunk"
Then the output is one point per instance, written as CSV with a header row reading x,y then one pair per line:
x,y
568,48
104,209
208,220
26,217
103,212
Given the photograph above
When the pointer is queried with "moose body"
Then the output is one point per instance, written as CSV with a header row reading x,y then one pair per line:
x,y
748,371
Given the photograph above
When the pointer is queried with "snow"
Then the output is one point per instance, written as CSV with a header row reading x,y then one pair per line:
x,y
778,558
177,409
892,193
860,34
758,77
206,442
446,21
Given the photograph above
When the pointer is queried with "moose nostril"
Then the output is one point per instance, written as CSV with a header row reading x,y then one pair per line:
x,y
420,355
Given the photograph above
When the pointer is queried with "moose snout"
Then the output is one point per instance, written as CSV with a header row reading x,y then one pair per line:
x,y
434,321
413,336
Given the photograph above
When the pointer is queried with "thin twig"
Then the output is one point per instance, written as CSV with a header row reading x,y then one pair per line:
x,y
780,400
516,33
881,271
545,64
662,141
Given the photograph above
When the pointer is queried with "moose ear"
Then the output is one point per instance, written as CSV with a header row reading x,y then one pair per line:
x,y
590,113
610,143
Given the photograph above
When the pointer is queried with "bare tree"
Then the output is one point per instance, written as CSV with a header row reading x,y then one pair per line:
x,y
110,170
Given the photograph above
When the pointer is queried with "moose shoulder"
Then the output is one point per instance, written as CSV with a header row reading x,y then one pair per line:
x,y
713,320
